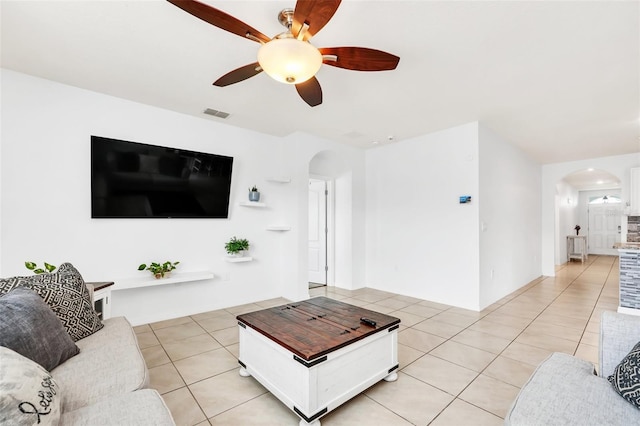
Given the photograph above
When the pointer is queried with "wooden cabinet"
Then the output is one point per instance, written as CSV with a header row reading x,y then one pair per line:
x,y
101,298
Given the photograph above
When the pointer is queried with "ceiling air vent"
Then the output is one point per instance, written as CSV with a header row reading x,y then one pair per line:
x,y
216,113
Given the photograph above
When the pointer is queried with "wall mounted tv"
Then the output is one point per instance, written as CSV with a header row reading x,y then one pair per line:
x,y
135,180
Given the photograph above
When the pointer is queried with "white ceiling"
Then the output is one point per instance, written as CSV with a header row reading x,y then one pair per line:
x,y
592,179
558,79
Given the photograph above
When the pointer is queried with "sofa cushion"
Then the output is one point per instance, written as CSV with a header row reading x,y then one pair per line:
x,y
28,393
565,391
110,363
143,407
30,328
626,377
66,294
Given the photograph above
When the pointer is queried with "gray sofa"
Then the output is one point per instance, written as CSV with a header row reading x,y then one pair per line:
x,y
61,365
565,390
105,384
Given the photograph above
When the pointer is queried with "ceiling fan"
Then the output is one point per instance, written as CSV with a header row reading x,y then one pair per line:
x,y
289,57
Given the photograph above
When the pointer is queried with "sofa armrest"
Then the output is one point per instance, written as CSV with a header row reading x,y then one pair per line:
x,y
619,333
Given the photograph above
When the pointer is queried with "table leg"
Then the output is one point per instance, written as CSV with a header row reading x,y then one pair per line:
x,y
243,372
313,423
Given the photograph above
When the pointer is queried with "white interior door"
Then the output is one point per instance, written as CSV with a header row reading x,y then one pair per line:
x,y
317,231
604,228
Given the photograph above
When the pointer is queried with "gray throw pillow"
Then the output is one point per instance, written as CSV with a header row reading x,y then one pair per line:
x,y
66,294
626,377
30,328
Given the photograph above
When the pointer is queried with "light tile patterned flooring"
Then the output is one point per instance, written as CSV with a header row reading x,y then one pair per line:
x,y
457,367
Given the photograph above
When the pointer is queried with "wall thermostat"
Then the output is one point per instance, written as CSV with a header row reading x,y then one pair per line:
x,y
464,199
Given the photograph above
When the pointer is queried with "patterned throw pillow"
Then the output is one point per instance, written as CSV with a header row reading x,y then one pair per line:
x,y
626,377
66,294
29,327
28,393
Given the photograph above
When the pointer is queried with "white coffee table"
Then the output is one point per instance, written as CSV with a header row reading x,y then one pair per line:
x,y
317,354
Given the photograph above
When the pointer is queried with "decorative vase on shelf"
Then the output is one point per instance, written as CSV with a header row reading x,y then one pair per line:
x,y
254,194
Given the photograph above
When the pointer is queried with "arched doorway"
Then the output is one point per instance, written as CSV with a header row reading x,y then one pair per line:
x,y
329,220
587,198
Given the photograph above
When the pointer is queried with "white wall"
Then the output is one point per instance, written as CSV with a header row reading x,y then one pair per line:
x,y
45,200
420,241
619,166
509,201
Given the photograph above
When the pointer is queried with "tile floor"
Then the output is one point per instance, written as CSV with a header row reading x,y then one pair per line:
x,y
457,367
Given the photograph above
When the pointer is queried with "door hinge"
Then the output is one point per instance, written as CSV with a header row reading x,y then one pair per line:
x,y
326,268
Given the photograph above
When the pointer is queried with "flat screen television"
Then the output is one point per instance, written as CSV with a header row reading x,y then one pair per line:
x,y
135,180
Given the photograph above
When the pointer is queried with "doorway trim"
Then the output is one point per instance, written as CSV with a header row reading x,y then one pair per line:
x,y
330,218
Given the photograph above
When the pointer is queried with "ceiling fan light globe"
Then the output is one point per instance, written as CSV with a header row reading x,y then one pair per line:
x,y
289,60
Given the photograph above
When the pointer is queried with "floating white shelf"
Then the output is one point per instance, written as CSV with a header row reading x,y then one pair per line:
x,y
278,228
279,179
238,259
150,281
252,204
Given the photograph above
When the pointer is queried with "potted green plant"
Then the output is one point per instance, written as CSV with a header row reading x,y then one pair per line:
x,y
236,247
254,194
36,270
159,270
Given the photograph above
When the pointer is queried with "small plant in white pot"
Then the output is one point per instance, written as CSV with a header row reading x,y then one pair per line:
x,y
236,247
254,194
159,270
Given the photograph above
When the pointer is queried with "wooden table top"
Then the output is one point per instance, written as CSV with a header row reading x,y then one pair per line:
x,y
315,327
98,285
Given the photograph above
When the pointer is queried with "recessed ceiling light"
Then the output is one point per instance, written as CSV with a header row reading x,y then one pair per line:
x,y
600,182
590,169
375,143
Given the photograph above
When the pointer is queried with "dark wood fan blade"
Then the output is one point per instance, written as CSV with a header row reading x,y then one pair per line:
x,y
218,18
315,13
238,75
310,91
360,58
